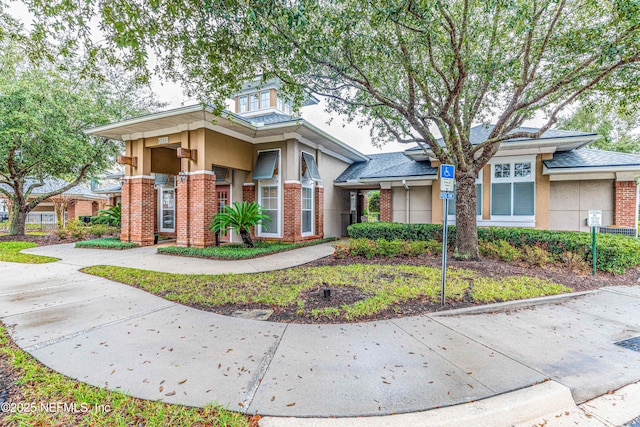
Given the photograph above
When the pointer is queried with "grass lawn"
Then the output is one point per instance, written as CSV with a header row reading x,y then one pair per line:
x,y
238,251
383,287
106,243
38,385
10,252
31,233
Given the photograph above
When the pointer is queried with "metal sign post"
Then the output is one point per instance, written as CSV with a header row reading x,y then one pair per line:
x,y
594,220
447,192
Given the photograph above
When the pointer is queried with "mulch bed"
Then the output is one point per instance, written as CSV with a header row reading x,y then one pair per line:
x,y
577,280
50,239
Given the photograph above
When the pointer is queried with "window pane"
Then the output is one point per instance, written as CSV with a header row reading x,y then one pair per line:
x,y
501,199
306,221
522,170
502,171
254,101
264,100
478,199
242,104
523,198
280,104
269,204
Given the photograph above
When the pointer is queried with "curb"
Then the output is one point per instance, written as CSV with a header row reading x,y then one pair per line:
x,y
514,408
512,305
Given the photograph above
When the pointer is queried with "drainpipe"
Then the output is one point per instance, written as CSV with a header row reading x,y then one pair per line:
x,y
408,203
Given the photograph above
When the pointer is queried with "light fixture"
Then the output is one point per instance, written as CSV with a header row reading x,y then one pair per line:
x,y
182,176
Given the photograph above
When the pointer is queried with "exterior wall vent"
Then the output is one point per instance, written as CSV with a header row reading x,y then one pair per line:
x,y
163,140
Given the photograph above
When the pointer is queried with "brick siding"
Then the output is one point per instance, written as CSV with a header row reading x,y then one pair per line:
x,y
292,215
195,207
624,214
386,214
319,211
138,217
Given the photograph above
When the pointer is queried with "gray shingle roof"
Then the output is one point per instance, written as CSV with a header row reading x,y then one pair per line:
x,y
480,133
386,165
588,158
52,184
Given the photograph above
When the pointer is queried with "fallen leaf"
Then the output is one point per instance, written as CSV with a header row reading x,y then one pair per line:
x,y
161,388
291,404
182,382
171,393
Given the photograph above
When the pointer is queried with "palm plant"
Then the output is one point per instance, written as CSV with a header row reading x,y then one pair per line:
x,y
112,215
240,216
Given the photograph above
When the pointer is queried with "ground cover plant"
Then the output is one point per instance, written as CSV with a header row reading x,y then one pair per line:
x,y
106,243
360,291
10,252
237,251
27,382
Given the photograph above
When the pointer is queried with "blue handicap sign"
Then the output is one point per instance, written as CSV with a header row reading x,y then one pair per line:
x,y
447,171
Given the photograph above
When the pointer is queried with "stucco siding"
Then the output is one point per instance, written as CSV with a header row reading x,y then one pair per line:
x,y
571,200
419,205
330,168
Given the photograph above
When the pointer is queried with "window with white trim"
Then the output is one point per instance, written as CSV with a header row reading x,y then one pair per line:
x,y
513,188
308,175
253,102
265,98
307,210
167,209
266,173
242,104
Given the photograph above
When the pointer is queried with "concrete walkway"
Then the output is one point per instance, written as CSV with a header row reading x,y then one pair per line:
x,y
109,334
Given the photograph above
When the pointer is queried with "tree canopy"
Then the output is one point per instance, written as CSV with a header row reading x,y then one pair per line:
x,y
618,125
45,106
412,70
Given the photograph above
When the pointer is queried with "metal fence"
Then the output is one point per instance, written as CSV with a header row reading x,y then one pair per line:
x,y
36,221
624,231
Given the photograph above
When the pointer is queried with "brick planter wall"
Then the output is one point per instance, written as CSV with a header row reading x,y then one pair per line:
x,y
385,205
624,214
138,208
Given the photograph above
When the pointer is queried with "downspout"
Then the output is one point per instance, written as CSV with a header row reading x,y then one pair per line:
x,y
408,202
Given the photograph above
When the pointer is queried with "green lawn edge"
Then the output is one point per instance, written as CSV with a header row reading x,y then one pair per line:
x,y
10,252
385,286
238,252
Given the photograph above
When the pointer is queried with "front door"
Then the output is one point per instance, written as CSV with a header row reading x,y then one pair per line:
x,y
223,198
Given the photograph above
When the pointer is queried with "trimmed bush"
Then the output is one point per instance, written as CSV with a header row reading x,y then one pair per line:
x,y
106,243
615,253
370,248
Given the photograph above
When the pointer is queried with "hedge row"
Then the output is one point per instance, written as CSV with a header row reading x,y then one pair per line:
x,y
615,253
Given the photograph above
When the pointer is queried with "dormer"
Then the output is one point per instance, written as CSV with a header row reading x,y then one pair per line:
x,y
261,98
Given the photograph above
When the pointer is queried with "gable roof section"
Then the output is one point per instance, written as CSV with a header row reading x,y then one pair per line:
x,y
387,165
481,132
589,158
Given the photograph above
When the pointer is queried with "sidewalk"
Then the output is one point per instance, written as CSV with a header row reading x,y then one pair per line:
x,y
109,334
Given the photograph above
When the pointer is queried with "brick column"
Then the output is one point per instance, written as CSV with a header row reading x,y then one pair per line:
x,y
319,207
385,205
292,218
195,207
138,207
202,208
624,214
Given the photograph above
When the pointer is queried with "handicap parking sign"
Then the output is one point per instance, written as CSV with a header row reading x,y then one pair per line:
x,y
447,171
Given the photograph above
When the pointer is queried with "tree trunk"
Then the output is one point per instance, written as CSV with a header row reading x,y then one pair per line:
x,y
18,220
246,237
466,247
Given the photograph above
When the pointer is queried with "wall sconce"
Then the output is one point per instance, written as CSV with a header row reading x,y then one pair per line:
x,y
182,176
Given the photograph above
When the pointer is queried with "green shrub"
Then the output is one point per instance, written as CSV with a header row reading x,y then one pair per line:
x,y
501,249
575,262
370,248
106,243
395,230
535,255
615,253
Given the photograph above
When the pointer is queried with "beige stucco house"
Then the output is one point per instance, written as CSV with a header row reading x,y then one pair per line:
x,y
183,165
